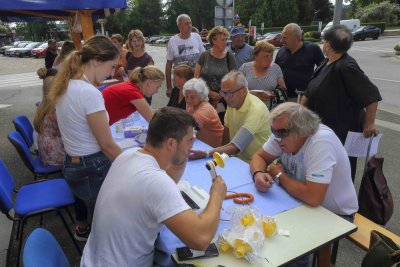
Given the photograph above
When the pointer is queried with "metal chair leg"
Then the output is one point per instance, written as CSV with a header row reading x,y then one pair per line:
x,y
69,232
70,215
335,249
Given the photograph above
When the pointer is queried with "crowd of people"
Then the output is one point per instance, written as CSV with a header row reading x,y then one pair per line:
x,y
219,96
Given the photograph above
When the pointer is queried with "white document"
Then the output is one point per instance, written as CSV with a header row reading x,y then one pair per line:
x,y
356,145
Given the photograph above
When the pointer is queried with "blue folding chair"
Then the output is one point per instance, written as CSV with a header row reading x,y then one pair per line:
x,y
24,126
34,199
42,250
35,165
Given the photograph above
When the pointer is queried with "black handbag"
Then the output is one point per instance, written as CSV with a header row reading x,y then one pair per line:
x,y
374,198
279,95
382,252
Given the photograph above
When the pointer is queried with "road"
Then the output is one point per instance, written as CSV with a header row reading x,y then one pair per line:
x,y
20,89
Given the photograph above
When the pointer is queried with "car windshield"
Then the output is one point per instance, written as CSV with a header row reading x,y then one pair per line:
x,y
43,45
273,35
359,28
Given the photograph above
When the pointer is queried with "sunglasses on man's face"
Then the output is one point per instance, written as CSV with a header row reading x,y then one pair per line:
x,y
281,133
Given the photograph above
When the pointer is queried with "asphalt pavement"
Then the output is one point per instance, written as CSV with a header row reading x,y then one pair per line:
x,y
20,89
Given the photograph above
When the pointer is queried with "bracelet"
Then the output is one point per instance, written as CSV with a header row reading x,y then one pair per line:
x,y
254,174
207,153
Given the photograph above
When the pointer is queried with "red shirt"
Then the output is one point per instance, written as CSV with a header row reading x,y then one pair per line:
x,y
117,98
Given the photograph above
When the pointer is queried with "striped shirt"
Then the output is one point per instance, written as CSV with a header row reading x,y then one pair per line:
x,y
268,82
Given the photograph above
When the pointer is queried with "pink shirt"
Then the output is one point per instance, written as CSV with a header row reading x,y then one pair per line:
x,y
211,129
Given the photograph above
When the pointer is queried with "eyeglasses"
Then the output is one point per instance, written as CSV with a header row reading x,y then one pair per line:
x,y
281,133
229,94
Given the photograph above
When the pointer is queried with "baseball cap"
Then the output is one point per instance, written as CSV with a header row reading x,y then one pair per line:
x,y
236,30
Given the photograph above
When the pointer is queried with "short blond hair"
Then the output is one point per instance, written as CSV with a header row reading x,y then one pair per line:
x,y
263,46
218,30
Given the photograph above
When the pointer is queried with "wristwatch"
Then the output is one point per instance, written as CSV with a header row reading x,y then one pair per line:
x,y
276,177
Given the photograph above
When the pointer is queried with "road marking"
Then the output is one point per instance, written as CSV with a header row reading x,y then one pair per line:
x,y
20,80
389,125
4,106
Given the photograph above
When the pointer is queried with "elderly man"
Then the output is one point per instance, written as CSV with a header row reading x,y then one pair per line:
x,y
246,120
297,59
313,167
139,196
339,91
242,51
183,48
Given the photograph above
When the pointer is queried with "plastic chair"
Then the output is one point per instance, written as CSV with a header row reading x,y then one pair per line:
x,y
33,164
34,199
42,249
24,126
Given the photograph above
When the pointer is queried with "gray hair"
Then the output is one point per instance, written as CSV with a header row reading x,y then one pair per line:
x,y
295,29
182,17
197,85
239,78
339,37
301,121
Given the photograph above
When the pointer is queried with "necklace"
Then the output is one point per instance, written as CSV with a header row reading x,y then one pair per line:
x,y
86,78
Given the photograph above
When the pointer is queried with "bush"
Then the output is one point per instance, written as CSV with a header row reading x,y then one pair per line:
x,y
384,11
397,48
381,25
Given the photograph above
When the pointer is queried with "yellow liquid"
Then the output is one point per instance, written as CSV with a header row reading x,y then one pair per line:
x,y
269,226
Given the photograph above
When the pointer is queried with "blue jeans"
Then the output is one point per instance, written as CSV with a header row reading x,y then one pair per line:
x,y
85,175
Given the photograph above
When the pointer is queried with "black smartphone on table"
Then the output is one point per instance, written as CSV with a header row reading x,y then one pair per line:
x,y
185,253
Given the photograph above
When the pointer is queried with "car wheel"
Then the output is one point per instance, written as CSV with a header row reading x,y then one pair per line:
x,y
376,37
362,38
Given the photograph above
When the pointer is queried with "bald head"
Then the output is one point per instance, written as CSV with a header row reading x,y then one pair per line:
x,y
292,36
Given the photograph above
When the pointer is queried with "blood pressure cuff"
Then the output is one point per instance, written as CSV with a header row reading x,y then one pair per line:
x,y
242,138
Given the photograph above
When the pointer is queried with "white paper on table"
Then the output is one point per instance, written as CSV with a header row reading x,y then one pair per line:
x,y
356,145
127,143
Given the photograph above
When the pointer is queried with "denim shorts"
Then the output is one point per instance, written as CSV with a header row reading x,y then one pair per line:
x,y
86,177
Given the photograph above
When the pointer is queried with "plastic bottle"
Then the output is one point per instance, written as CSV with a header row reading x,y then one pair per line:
x,y
119,129
136,116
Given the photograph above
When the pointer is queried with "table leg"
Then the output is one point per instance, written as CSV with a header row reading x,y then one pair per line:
x,y
324,256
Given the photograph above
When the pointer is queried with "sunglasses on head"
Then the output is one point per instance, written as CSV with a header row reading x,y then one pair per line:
x,y
281,133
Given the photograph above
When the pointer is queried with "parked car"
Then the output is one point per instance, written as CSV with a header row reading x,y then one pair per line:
x,y
40,51
275,39
4,48
163,40
10,52
367,31
26,51
154,38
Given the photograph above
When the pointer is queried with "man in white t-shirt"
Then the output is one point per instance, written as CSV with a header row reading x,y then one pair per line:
x,y
183,48
140,195
314,166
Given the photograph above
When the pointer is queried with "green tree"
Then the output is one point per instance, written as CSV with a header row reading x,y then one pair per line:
x,y
173,9
4,27
323,10
306,13
202,13
384,11
247,8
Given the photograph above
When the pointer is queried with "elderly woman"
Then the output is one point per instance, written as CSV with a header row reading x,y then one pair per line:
x,y
262,74
339,91
180,74
213,64
210,127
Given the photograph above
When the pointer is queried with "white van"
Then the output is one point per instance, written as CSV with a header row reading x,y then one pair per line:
x,y
349,23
